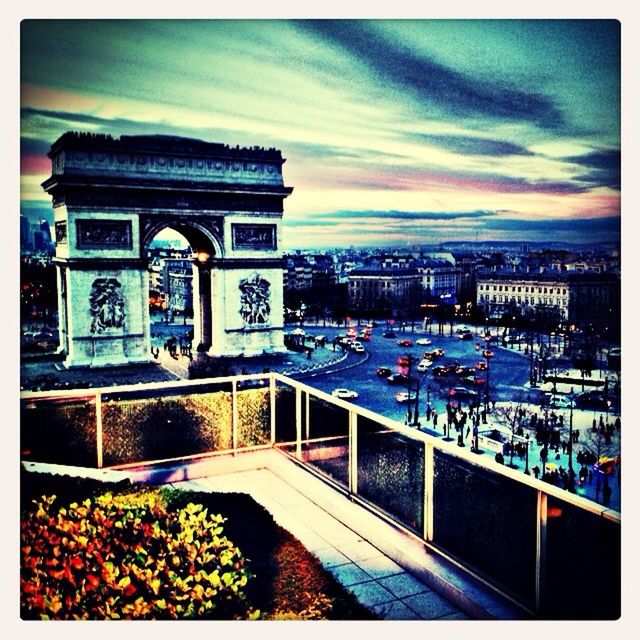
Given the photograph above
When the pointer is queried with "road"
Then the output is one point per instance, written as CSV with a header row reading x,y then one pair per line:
x,y
508,370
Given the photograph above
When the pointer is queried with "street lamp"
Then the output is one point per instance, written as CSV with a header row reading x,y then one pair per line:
x,y
571,397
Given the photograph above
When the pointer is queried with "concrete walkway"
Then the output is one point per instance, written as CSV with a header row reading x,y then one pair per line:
x,y
376,580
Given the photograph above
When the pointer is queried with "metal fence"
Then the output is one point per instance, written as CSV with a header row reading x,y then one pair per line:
x,y
556,554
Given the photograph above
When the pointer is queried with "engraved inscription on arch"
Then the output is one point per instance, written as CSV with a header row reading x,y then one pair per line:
x,y
254,236
103,234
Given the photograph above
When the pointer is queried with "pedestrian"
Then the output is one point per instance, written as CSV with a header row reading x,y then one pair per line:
x,y
606,492
564,447
594,428
484,416
536,471
435,418
468,431
576,435
616,424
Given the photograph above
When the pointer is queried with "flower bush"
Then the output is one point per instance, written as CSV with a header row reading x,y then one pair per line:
x,y
127,556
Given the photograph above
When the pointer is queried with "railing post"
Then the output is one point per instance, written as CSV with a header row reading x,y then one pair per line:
x,y
353,452
272,413
428,491
99,429
298,423
234,415
307,426
541,549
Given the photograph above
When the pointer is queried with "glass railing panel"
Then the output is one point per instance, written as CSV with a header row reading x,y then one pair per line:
x,y
157,424
60,431
325,438
391,472
488,522
583,574
254,413
285,414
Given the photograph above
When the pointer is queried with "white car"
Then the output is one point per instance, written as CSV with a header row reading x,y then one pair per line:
x,y
559,402
404,396
424,365
344,394
423,342
358,348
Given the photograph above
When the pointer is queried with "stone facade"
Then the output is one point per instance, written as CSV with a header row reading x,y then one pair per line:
x,y
112,196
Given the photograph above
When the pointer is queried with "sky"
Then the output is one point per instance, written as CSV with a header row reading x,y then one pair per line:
x,y
396,132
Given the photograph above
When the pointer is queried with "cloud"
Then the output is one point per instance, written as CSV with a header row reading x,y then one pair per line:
x,y
604,166
408,215
394,65
471,145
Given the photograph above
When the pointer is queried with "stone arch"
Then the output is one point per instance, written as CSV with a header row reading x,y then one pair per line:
x,y
112,196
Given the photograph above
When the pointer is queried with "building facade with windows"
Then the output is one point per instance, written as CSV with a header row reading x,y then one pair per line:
x,y
384,291
570,295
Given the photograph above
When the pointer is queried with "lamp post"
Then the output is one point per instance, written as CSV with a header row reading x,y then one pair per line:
x,y
571,397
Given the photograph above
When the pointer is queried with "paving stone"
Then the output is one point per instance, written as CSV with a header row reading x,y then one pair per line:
x,y
331,557
430,605
395,610
403,585
380,567
371,593
360,550
349,574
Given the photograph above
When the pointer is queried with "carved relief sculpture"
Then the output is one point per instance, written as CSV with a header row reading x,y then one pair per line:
x,y
106,305
105,234
254,300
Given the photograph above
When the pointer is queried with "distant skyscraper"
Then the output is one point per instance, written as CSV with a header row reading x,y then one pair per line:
x,y
26,239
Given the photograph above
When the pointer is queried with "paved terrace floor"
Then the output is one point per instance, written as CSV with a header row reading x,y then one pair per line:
x,y
389,571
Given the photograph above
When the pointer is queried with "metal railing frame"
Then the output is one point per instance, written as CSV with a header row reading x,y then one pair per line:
x,y
302,415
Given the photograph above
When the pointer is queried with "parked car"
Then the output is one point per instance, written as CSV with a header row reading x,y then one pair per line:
x,y
389,334
462,393
398,378
592,400
423,342
404,396
559,402
405,343
344,394
383,372
424,365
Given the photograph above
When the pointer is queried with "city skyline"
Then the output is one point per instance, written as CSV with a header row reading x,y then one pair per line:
x,y
395,131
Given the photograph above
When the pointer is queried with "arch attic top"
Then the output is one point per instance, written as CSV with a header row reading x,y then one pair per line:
x,y
100,162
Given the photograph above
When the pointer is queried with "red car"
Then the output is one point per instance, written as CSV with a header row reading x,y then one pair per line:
x,y
405,343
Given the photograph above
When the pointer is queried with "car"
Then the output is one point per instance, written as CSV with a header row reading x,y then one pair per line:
x,y
344,394
439,352
356,343
462,393
559,402
423,342
481,365
593,400
467,336
405,343
383,372
389,334
405,396
365,336
358,348
424,365
465,372
398,378
487,353
446,369
403,361
436,353
616,352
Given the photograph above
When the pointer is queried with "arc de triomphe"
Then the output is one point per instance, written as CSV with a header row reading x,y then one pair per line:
x,y
111,196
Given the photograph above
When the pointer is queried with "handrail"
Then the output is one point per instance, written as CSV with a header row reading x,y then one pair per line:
x,y
447,447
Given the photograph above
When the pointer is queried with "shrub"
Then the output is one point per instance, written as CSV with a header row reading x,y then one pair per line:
x,y
126,556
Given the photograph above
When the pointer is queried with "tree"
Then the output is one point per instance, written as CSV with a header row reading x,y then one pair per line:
x,y
599,446
512,416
